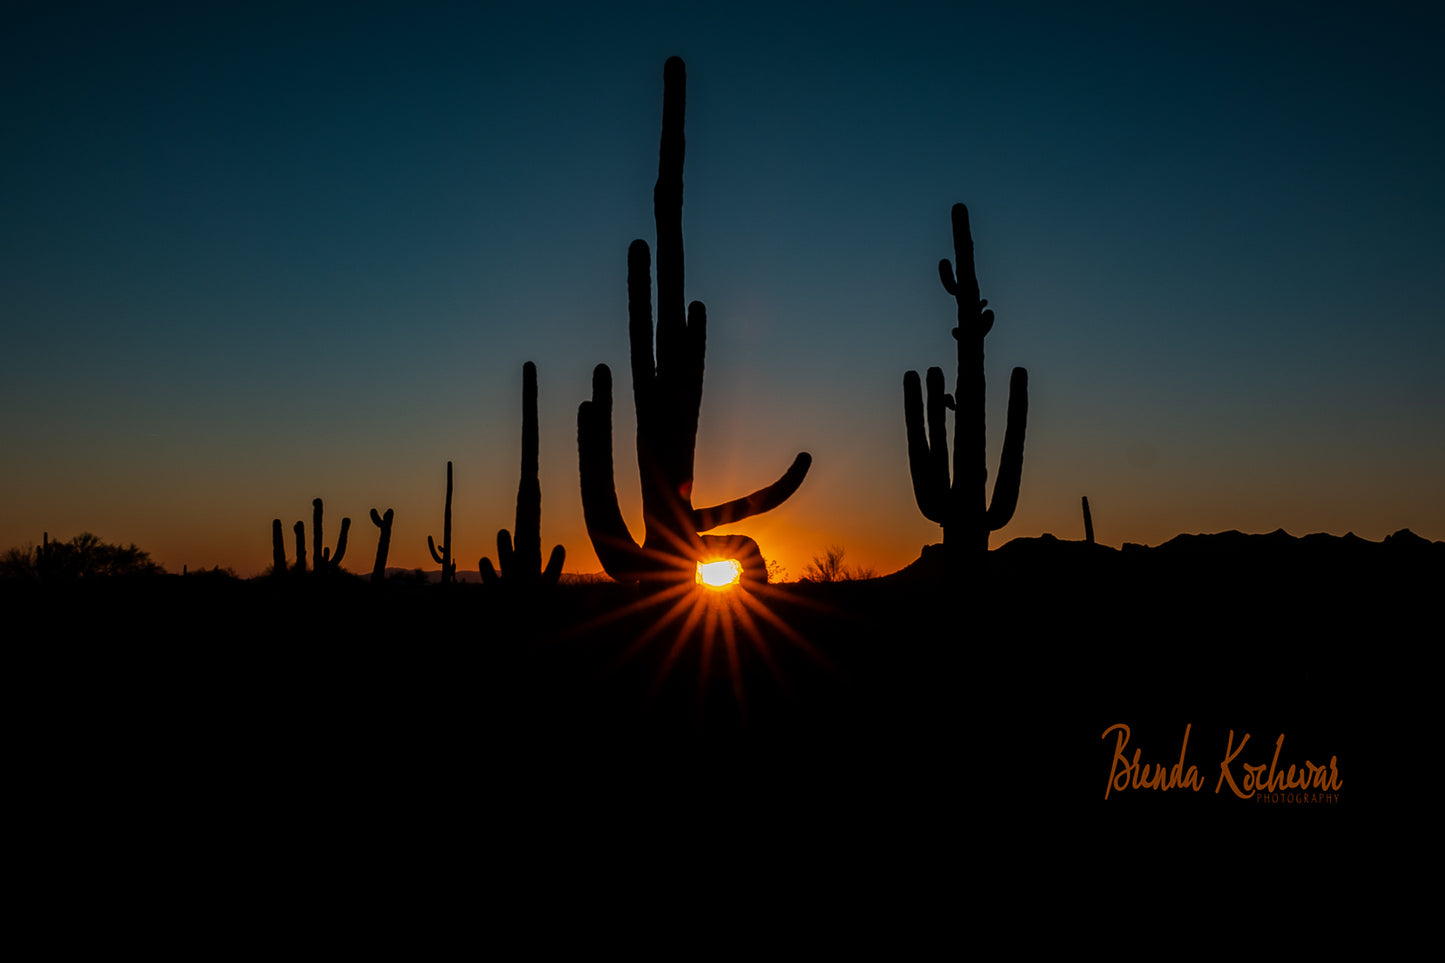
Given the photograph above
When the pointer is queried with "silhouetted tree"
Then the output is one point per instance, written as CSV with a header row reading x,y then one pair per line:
x,y
668,397
965,525
520,563
83,557
829,567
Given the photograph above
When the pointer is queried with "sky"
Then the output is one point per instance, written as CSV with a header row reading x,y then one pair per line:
x,y
252,254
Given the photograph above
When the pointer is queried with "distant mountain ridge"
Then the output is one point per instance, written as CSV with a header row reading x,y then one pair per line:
x,y
1275,543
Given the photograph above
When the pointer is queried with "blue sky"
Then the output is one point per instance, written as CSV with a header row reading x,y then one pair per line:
x,y
250,256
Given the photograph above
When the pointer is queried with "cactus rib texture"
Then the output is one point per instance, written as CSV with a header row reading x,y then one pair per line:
x,y
667,393
521,562
949,504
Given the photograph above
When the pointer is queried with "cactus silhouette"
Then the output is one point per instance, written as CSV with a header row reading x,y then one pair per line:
x,y
278,549
965,529
300,529
444,558
1088,523
520,563
668,396
383,545
322,560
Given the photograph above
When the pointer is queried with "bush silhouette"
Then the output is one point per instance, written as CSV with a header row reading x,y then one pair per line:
x,y
829,567
83,557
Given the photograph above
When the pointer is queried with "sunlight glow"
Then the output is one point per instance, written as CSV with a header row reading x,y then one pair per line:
x,y
720,575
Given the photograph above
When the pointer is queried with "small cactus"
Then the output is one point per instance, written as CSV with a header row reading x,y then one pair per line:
x,y
521,562
383,545
300,529
278,549
323,561
444,557
1088,522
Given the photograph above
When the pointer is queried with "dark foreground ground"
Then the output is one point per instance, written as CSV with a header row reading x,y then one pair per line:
x,y
316,737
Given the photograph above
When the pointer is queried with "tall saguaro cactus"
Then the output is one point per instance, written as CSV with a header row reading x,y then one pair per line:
x,y
520,562
965,527
667,392
444,557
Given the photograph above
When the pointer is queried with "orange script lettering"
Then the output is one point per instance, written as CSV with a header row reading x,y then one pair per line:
x,y
1124,774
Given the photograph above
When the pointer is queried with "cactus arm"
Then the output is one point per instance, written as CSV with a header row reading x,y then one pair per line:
x,y
936,408
489,574
945,274
431,546
383,545
554,565
639,332
1011,463
341,543
929,490
506,556
613,543
762,500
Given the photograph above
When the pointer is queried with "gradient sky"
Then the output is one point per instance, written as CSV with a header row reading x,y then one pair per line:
x,y
249,256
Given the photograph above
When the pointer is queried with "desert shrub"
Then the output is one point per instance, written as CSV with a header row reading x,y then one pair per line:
x,y
829,567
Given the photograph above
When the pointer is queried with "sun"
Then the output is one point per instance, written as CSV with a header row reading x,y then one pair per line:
x,y
723,574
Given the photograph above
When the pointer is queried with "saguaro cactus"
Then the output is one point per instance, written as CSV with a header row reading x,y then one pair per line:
x,y
520,563
383,545
668,397
444,558
1088,522
948,505
278,549
323,560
